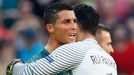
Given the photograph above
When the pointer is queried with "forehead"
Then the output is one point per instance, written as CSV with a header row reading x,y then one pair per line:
x,y
66,14
106,35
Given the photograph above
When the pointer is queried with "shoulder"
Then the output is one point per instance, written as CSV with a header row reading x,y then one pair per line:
x,y
39,55
71,47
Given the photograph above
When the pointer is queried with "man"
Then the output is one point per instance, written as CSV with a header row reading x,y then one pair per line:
x,y
103,37
74,55
60,23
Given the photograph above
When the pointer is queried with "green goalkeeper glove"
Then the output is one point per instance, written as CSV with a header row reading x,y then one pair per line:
x,y
10,66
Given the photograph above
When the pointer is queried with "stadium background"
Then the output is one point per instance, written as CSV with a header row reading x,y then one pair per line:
x,y
21,32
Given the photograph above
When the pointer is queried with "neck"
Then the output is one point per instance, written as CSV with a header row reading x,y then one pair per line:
x,y
85,35
52,45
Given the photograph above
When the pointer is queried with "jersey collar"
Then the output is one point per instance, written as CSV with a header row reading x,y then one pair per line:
x,y
88,39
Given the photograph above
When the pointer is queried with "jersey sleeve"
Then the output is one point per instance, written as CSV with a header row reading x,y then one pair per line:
x,y
63,58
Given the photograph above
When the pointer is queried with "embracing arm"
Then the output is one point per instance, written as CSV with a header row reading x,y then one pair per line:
x,y
63,58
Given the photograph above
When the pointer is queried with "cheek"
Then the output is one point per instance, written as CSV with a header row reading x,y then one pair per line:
x,y
62,28
105,46
61,33
65,31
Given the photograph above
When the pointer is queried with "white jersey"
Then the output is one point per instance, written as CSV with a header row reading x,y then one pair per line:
x,y
96,62
71,56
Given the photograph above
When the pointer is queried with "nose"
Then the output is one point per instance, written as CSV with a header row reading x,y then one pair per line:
x,y
111,49
73,26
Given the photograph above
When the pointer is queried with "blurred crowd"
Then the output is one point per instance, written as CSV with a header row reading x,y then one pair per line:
x,y
22,34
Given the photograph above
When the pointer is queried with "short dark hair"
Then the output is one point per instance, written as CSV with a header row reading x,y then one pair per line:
x,y
50,14
104,27
87,17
